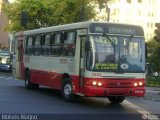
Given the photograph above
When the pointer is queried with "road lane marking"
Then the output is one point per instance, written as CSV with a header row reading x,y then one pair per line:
x,y
2,77
137,108
152,91
9,78
5,77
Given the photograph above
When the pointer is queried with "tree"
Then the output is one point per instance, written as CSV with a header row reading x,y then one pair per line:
x,y
104,4
44,13
153,48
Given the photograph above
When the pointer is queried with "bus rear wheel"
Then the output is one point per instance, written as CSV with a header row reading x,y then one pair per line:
x,y
116,99
67,92
28,83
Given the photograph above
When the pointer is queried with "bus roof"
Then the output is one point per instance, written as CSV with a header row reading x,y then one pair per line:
x,y
79,25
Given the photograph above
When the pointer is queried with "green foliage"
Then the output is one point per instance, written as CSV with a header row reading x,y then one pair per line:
x,y
153,81
153,49
44,13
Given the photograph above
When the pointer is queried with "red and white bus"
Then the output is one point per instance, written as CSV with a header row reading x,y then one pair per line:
x,y
88,59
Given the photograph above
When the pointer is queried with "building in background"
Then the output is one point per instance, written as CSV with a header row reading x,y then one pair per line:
x,y
139,12
4,42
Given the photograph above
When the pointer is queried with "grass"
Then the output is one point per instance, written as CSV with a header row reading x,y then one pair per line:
x,y
153,81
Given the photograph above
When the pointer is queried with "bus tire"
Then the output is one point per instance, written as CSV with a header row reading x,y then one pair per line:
x,y
67,92
28,83
116,99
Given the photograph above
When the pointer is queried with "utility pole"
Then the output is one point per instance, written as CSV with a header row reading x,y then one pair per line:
x,y
107,10
10,46
11,41
108,13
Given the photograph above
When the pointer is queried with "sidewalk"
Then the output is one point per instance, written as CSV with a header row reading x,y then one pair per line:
x,y
152,93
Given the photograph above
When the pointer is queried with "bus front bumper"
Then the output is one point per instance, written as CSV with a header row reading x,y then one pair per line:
x,y
103,92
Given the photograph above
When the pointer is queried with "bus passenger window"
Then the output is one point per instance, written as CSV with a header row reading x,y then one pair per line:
x,y
29,45
56,45
26,44
46,48
37,46
69,44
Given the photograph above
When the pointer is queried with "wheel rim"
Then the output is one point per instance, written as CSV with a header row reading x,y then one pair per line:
x,y
67,89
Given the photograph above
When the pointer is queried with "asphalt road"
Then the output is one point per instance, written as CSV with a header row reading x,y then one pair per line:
x,y
44,103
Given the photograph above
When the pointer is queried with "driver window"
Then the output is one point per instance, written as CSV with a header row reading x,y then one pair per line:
x,y
134,50
131,49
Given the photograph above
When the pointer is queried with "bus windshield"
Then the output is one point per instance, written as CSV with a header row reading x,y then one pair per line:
x,y
116,53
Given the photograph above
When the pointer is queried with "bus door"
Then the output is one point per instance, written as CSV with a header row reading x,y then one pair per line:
x,y
19,59
81,39
82,60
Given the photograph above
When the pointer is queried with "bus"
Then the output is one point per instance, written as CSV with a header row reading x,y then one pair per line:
x,y
5,61
90,59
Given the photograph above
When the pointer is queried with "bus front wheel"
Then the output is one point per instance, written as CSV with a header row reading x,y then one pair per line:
x,y
67,92
116,99
28,83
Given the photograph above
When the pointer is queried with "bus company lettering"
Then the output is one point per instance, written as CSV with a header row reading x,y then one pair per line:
x,y
96,74
63,61
106,66
71,64
27,59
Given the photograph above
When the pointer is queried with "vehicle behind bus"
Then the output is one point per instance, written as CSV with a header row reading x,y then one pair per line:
x,y
90,59
5,62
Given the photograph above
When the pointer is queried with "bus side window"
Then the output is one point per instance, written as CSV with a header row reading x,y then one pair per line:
x,y
69,43
26,45
46,48
52,43
29,45
37,46
56,44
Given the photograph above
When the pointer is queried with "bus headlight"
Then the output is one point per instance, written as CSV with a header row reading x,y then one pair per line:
x,y
135,84
140,83
94,83
99,84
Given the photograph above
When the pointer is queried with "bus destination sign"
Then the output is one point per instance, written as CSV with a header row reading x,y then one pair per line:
x,y
116,29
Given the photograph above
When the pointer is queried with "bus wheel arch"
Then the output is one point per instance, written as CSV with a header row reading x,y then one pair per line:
x,y
67,88
28,83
